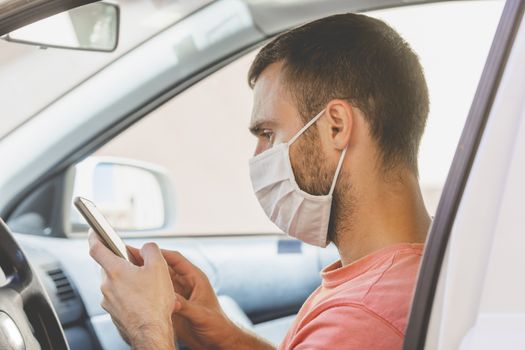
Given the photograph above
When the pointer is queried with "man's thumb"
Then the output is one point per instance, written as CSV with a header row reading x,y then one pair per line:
x,y
183,307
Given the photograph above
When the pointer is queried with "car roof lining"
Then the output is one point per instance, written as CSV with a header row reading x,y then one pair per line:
x,y
275,16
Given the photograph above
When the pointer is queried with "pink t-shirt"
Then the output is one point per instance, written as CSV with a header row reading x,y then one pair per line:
x,y
363,305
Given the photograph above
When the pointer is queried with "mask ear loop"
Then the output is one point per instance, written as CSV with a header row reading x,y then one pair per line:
x,y
306,126
338,170
339,164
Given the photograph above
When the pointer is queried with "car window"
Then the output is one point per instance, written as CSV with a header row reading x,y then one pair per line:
x,y
453,56
22,66
201,136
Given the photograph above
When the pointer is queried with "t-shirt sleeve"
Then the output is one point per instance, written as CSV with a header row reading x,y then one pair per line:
x,y
346,327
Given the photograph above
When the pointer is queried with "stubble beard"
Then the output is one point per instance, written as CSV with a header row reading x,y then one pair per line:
x,y
314,175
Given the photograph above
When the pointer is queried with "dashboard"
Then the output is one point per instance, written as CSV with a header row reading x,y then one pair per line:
x,y
287,272
65,298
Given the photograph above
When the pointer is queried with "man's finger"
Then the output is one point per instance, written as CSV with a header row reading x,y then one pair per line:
x,y
102,255
151,254
179,263
134,254
184,308
180,284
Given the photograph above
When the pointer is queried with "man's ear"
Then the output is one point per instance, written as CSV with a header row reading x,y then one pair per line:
x,y
340,118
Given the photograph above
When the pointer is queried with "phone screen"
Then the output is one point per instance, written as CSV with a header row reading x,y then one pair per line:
x,y
101,226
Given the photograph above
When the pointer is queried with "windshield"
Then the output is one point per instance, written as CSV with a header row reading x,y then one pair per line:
x,y
31,77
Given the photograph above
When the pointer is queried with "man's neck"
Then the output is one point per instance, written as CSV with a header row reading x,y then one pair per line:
x,y
391,212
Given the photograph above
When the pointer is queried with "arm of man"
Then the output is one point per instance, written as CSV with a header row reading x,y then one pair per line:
x,y
352,327
140,299
154,337
198,319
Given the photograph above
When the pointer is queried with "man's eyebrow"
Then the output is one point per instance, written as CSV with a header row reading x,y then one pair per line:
x,y
255,128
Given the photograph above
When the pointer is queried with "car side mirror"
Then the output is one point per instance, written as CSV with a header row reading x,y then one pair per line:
x,y
92,27
134,196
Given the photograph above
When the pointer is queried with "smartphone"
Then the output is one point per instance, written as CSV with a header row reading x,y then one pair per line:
x,y
101,226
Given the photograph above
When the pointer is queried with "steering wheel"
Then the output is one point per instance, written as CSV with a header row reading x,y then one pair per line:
x,y
27,318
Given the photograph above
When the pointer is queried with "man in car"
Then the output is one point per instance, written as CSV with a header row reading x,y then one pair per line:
x,y
340,105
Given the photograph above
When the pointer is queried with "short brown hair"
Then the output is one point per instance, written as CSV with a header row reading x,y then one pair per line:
x,y
362,60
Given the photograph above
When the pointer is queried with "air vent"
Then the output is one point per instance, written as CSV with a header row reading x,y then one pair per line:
x,y
64,289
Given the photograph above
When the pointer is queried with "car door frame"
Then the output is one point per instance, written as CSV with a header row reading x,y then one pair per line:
x,y
439,235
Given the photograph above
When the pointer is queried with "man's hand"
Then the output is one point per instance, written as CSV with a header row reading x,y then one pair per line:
x,y
138,298
198,318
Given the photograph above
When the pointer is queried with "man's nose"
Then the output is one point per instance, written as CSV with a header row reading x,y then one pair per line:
x,y
261,147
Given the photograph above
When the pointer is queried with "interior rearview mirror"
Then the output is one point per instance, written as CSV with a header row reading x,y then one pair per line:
x,y
92,27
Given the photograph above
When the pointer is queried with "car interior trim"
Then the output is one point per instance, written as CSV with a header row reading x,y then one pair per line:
x,y
27,12
439,234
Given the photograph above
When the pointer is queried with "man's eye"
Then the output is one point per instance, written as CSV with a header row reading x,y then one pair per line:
x,y
267,134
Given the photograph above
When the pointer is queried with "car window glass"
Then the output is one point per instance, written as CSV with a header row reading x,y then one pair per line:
x,y
23,66
453,55
201,135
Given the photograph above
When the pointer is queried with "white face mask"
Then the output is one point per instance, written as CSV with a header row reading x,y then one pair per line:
x,y
299,214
